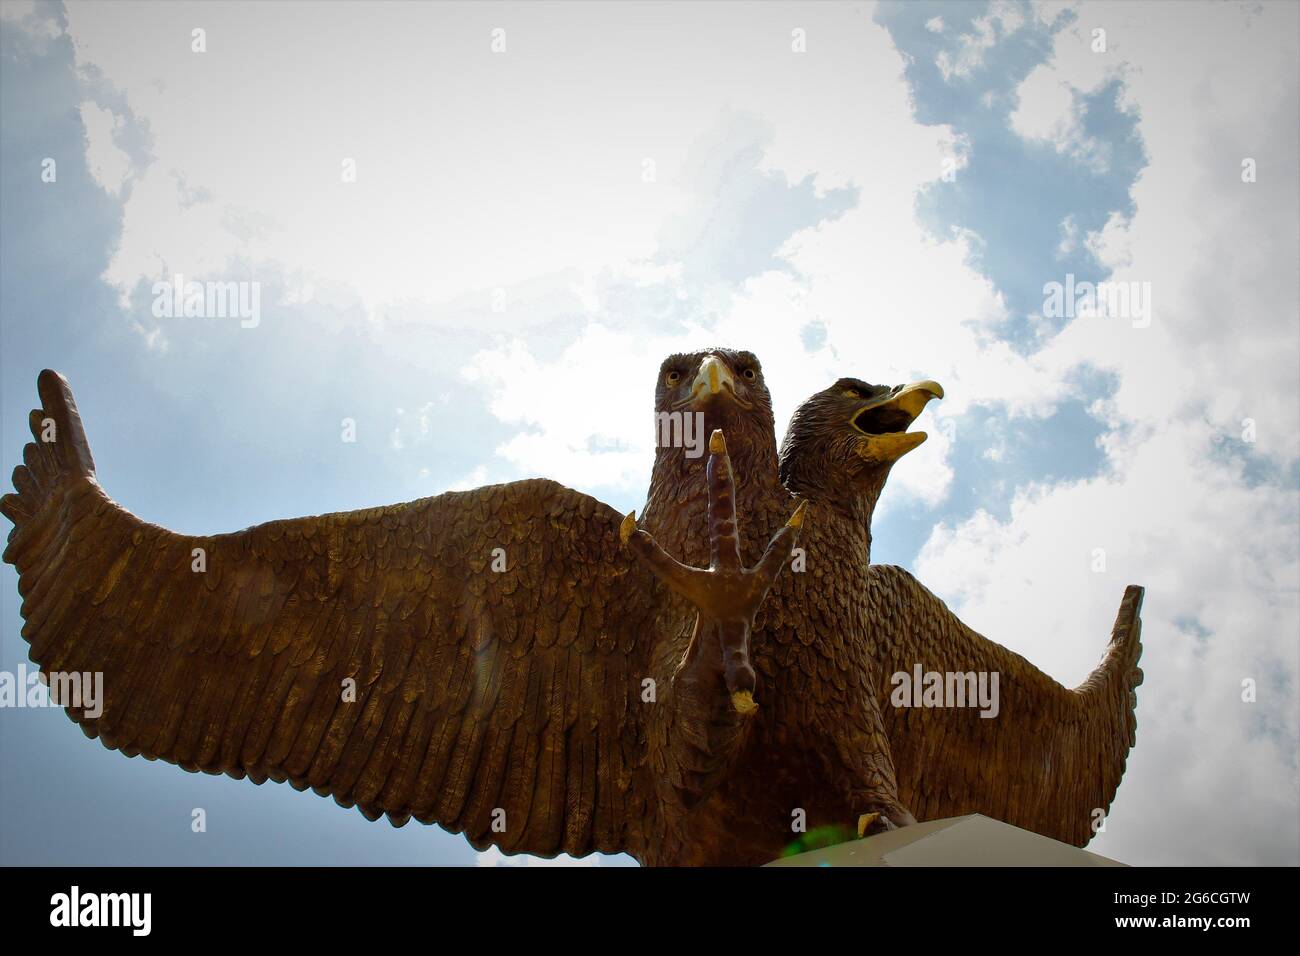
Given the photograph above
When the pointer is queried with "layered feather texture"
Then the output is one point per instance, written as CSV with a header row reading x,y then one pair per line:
x,y
375,656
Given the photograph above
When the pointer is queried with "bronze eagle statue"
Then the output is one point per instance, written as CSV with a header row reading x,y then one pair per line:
x,y
524,665
1051,759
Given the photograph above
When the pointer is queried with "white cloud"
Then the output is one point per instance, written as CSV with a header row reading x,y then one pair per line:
x,y
1002,19
1207,522
445,185
1110,244
584,422
1050,107
24,12
1069,237
108,164
894,305
494,857
1218,559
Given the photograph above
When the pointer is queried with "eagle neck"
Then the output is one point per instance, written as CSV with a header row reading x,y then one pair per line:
x,y
676,507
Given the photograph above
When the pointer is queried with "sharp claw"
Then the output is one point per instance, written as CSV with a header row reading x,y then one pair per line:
x,y
865,821
743,702
627,527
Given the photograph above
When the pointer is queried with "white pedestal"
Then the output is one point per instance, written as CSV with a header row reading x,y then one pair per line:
x,y
957,841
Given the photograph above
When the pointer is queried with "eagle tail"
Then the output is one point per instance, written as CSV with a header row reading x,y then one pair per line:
x,y
1113,685
58,455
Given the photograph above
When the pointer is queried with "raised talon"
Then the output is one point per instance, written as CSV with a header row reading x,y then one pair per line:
x,y
726,594
870,824
873,822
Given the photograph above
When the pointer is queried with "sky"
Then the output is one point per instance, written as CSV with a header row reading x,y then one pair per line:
x,y
467,221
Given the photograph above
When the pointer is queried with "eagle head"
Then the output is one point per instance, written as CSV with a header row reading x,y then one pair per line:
x,y
853,432
719,388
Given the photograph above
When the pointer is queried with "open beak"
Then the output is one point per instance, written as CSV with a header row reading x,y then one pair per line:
x,y
884,421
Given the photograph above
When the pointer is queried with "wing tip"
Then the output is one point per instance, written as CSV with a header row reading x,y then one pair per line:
x,y
1128,620
58,447
1134,595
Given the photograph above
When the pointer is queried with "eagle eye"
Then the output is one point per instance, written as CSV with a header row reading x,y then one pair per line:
x,y
851,393
750,374
673,377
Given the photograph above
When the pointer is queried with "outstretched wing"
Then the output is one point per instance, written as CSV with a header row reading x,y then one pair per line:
x,y
378,656
1050,761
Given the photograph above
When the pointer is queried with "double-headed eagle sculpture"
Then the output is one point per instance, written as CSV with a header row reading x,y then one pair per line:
x,y
524,665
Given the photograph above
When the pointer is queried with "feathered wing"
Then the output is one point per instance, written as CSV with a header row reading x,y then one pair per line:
x,y
1049,761
498,703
